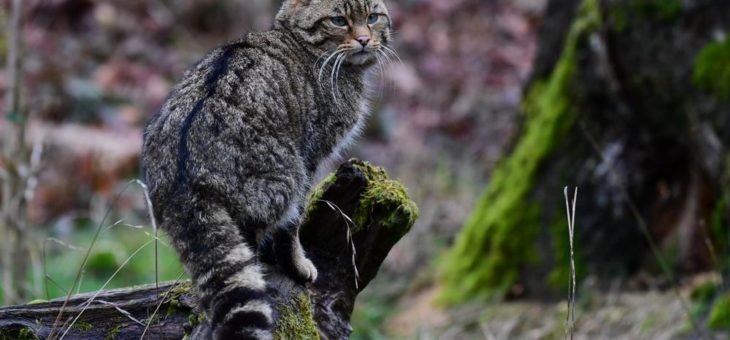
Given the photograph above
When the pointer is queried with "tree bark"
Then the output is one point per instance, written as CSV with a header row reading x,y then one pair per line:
x,y
13,175
354,218
628,102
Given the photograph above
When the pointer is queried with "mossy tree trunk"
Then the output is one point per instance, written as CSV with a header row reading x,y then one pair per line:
x,y
355,217
629,101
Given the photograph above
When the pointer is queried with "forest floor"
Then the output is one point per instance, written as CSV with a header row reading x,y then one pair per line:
x,y
616,313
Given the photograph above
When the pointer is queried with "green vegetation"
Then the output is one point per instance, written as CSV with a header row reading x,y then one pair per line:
x,y
719,233
195,319
665,10
116,244
640,10
37,301
114,247
497,239
83,326
704,292
316,193
297,322
24,333
115,331
106,257
384,195
702,297
712,68
559,276
27,333
173,299
370,315
720,314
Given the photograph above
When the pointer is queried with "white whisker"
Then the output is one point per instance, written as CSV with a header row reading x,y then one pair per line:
x,y
324,64
381,73
390,81
387,56
333,77
392,52
338,65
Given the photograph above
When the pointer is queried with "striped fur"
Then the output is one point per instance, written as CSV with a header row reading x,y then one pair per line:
x,y
230,156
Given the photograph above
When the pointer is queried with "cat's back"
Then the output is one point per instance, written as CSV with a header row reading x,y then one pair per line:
x,y
238,68
233,95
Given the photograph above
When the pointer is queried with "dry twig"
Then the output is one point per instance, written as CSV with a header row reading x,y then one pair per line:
x,y
570,210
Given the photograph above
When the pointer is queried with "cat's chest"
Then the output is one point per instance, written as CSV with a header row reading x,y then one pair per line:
x,y
346,114
334,144
339,110
354,125
335,124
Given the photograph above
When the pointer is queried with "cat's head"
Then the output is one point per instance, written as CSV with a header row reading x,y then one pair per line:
x,y
356,29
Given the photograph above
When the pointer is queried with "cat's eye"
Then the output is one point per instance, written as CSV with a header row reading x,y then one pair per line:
x,y
339,21
373,18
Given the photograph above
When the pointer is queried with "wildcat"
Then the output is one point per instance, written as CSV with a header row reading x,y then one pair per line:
x,y
230,156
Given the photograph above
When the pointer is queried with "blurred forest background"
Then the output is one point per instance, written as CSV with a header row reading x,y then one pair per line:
x,y
627,99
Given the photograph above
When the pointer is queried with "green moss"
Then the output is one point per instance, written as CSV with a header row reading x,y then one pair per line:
x,y
297,321
37,301
623,14
619,19
175,306
667,10
173,297
712,68
195,319
498,239
83,326
719,231
316,194
24,333
385,198
720,314
181,289
704,292
115,331
559,276
173,303
27,334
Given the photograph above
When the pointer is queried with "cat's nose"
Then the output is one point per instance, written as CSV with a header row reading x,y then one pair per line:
x,y
363,40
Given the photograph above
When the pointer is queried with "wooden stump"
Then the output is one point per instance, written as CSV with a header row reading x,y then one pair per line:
x,y
354,218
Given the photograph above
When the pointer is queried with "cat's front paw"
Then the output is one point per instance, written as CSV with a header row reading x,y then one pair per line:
x,y
305,271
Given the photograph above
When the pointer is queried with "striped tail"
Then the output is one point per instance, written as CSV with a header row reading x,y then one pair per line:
x,y
225,270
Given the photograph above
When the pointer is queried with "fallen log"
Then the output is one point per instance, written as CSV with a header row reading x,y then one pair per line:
x,y
354,218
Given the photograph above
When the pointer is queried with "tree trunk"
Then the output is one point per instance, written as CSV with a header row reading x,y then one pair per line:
x,y
354,218
629,102
14,173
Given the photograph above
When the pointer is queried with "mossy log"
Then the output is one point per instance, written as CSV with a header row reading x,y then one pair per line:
x,y
629,102
354,218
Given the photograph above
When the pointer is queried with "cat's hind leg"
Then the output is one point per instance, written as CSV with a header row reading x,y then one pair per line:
x,y
224,268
